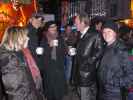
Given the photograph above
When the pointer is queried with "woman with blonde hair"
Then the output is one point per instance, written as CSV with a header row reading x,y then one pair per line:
x,y
14,38
20,76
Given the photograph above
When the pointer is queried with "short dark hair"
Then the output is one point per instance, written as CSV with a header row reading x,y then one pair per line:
x,y
48,24
67,25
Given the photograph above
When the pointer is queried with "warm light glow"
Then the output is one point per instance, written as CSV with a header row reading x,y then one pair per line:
x,y
132,8
126,21
23,16
10,16
21,24
132,5
4,9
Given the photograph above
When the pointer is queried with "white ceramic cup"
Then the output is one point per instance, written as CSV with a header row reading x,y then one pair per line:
x,y
39,50
55,43
72,51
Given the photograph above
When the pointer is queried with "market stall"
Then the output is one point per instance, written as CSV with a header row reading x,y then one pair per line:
x,y
15,12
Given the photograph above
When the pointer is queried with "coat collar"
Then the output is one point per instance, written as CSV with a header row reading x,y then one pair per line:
x,y
84,31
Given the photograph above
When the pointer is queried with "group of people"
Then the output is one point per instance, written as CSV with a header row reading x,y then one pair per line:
x,y
25,73
102,68
31,70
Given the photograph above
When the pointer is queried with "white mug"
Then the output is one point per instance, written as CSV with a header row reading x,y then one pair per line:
x,y
55,43
72,51
39,50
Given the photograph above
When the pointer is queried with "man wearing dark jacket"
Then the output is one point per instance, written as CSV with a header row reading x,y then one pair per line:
x,y
115,74
34,27
89,51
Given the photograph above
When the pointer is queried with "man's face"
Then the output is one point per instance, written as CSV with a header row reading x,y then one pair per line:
x,y
36,22
109,35
79,24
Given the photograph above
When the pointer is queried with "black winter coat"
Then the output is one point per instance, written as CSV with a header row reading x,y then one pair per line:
x,y
53,71
89,52
115,73
16,82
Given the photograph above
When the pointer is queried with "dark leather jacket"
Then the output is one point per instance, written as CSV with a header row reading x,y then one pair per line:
x,y
89,52
16,82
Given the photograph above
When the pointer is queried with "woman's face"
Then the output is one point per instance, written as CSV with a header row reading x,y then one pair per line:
x,y
26,42
23,41
109,35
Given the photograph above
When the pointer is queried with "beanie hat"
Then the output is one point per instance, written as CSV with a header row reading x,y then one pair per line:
x,y
111,25
38,15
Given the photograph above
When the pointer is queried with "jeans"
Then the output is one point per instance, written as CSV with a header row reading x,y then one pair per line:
x,y
68,67
130,96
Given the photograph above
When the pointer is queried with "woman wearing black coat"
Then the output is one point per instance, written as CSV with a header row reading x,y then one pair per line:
x,y
53,69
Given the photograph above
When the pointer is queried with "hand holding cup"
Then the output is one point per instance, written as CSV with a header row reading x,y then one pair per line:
x,y
71,51
54,43
39,50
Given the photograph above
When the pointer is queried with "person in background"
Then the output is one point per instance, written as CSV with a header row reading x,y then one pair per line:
x,y
126,34
115,74
70,40
20,77
70,36
89,52
96,23
53,68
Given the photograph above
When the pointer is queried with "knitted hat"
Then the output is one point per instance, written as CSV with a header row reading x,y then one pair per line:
x,y
38,15
111,25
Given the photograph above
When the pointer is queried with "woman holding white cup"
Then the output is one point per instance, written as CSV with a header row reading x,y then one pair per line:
x,y
53,70
54,43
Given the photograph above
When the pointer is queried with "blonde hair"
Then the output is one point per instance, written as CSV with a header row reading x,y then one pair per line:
x,y
12,38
